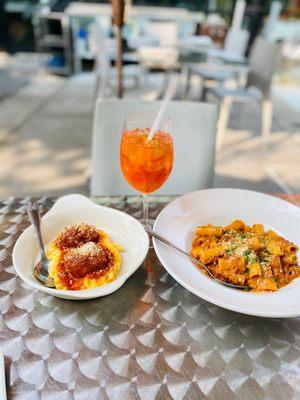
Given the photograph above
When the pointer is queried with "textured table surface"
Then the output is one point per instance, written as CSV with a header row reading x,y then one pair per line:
x,y
151,339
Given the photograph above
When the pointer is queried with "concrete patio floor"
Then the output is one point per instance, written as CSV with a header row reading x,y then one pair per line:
x,y
45,138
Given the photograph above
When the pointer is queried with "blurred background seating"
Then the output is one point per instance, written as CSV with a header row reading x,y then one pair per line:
x,y
264,59
58,60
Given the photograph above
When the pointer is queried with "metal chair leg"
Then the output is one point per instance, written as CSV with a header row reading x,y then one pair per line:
x,y
144,75
241,113
186,76
204,90
223,119
267,116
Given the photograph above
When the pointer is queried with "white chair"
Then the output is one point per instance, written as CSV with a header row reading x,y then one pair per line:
x,y
234,50
193,127
158,57
155,33
263,61
236,40
166,33
211,74
193,49
235,46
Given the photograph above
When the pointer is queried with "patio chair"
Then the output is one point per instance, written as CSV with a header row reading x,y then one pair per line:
x,y
233,52
234,47
193,49
165,32
263,61
158,57
211,75
155,33
193,127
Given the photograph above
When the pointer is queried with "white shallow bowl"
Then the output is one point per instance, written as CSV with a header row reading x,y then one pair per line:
x,y
178,220
73,209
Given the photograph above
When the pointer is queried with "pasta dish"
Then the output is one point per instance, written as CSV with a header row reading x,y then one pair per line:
x,y
246,255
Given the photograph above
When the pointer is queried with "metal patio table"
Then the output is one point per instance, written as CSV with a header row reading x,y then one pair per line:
x,y
152,339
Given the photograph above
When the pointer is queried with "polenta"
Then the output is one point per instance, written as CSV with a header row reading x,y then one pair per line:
x,y
82,257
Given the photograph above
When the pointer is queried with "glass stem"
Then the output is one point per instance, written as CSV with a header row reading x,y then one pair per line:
x,y
145,209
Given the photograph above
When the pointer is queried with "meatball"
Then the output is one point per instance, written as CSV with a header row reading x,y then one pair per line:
x,y
76,235
85,259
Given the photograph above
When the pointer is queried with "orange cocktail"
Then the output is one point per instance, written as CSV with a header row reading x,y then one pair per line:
x,y
146,165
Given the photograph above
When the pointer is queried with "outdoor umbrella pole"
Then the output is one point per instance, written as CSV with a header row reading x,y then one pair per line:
x,y
118,20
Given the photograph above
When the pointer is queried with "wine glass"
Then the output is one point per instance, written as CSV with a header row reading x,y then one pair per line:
x,y
146,164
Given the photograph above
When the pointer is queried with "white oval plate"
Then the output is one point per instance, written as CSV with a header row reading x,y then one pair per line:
x,y
220,206
73,209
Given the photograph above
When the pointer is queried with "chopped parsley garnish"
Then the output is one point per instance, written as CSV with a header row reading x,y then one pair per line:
x,y
250,256
247,255
231,250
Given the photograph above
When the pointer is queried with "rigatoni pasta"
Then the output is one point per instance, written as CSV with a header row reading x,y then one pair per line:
x,y
246,255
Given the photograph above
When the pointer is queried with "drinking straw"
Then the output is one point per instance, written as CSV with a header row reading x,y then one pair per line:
x,y
169,93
